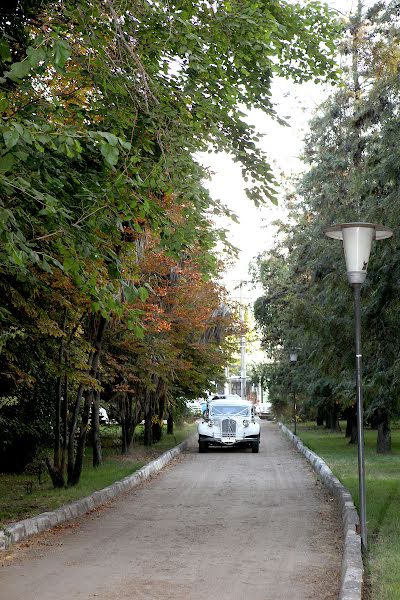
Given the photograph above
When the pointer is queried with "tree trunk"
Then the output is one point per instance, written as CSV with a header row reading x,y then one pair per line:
x,y
157,426
97,330
80,447
124,423
351,424
56,476
72,433
96,439
384,438
170,423
57,421
162,398
130,412
354,428
332,419
59,399
320,416
350,414
148,415
148,438
65,426
353,438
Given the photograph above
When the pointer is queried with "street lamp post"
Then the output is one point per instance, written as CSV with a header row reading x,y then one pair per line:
x,y
357,240
293,361
243,376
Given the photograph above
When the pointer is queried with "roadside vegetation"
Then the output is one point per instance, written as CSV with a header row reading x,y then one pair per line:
x,y
383,499
30,493
110,292
352,173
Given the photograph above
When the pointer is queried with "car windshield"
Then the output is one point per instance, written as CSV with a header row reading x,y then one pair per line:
x,y
237,410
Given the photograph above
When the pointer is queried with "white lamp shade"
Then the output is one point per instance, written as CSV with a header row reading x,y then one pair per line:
x,y
357,240
293,357
357,243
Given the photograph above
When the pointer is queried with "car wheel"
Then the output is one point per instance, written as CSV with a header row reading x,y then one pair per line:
x,y
255,447
203,447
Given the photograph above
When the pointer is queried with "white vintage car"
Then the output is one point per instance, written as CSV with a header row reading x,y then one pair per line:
x,y
229,421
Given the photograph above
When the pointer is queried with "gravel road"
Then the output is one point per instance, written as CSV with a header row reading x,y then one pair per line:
x,y
227,524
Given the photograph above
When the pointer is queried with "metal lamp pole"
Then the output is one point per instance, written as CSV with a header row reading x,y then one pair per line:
x,y
243,377
294,412
357,240
293,361
360,414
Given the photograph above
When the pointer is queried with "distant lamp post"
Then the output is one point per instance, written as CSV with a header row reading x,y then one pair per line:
x,y
357,241
293,360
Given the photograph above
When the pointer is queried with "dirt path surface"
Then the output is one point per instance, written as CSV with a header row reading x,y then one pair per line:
x,y
222,525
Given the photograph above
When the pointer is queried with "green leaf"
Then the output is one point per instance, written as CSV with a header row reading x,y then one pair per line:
x,y
110,154
110,137
139,332
131,293
19,70
125,145
45,266
39,147
96,306
113,270
11,138
5,52
36,56
3,104
19,128
70,265
62,52
6,162
5,215
26,136
143,294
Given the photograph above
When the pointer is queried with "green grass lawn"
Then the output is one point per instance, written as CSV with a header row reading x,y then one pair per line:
x,y
17,504
382,473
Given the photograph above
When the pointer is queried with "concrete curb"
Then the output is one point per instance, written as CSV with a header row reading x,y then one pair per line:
x,y
352,565
15,532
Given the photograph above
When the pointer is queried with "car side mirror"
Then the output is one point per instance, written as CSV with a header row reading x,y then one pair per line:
x,y
206,414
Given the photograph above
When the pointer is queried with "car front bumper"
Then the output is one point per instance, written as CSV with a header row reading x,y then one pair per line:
x,y
228,441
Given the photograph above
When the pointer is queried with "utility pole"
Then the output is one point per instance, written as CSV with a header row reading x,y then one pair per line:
x,y
242,348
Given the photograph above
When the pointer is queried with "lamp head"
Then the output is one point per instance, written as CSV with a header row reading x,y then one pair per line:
x,y
357,240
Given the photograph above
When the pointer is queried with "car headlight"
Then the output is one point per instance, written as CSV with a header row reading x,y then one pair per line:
x,y
210,423
246,423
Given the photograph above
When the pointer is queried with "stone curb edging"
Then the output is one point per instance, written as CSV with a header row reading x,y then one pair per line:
x,y
352,565
15,532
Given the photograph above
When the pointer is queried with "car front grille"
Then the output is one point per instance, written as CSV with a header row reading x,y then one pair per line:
x,y
228,428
